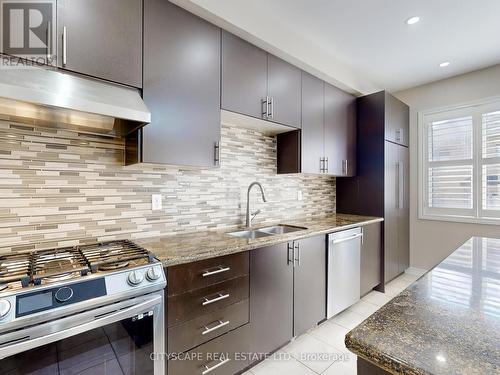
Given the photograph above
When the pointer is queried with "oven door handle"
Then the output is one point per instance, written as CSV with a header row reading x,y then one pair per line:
x,y
100,317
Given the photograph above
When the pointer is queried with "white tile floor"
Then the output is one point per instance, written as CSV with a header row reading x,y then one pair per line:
x,y
322,349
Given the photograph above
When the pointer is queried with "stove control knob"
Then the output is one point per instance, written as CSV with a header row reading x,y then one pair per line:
x,y
153,274
4,308
63,294
135,278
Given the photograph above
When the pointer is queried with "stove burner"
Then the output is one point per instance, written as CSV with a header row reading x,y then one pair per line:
x,y
57,264
60,277
114,266
21,270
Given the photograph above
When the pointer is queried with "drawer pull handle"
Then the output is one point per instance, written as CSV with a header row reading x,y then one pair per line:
x,y
220,269
216,299
208,370
215,328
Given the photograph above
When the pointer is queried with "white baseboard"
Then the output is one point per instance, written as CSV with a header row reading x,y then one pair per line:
x,y
416,271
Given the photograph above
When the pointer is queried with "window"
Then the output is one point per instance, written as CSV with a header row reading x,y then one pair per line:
x,y
459,171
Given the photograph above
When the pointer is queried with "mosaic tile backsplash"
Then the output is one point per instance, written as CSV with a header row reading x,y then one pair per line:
x,y
61,188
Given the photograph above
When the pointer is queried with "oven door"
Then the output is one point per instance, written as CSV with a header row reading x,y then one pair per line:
x,y
123,338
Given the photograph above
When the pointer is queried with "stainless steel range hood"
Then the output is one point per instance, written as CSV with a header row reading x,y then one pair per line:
x,y
56,99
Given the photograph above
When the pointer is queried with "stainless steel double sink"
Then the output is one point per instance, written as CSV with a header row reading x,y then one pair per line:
x,y
265,232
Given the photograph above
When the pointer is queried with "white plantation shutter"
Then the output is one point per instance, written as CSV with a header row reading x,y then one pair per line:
x,y
460,164
450,163
491,163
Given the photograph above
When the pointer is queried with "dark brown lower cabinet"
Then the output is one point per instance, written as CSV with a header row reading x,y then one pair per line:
x,y
309,283
271,298
371,258
225,355
287,291
366,368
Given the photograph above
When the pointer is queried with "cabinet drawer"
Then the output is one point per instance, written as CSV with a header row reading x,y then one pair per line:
x,y
221,356
186,277
187,306
206,327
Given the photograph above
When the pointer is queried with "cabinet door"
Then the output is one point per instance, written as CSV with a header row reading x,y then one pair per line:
x,y
309,283
391,215
103,39
371,257
340,132
397,120
181,86
312,124
284,89
271,298
244,76
404,210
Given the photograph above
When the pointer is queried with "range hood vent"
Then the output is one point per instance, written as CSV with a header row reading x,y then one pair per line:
x,y
52,98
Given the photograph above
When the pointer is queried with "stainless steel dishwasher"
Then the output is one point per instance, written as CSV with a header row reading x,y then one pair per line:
x,y
344,270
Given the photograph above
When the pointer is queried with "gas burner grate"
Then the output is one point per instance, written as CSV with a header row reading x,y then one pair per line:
x,y
50,266
58,264
115,255
15,268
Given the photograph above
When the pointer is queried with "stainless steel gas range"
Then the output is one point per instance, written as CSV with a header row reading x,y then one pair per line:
x,y
93,309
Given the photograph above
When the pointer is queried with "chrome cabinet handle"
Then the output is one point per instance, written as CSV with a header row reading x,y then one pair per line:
x,y
216,153
271,110
265,107
290,259
296,258
400,168
220,297
326,165
220,269
344,167
65,46
322,165
215,328
208,370
350,238
400,135
49,41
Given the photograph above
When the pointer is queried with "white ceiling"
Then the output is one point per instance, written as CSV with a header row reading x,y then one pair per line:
x,y
366,45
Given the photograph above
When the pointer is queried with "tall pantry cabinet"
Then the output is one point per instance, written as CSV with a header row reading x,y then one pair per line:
x,y
381,186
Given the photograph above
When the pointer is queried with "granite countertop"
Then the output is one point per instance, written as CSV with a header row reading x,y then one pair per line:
x,y
189,247
447,322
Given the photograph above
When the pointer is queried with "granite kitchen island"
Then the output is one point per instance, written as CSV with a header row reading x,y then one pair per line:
x,y
447,322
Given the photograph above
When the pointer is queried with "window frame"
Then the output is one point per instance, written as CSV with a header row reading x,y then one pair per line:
x,y
477,214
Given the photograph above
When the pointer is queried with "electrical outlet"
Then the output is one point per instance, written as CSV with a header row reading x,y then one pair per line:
x,y
156,202
299,195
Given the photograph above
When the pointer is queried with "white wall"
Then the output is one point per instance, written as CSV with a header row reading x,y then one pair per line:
x,y
432,241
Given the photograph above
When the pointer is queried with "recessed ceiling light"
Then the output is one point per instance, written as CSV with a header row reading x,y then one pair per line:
x,y
412,20
444,64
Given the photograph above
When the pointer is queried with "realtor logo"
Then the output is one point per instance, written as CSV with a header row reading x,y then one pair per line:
x,y
27,27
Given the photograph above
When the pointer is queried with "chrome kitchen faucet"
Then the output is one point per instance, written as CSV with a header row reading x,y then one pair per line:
x,y
253,214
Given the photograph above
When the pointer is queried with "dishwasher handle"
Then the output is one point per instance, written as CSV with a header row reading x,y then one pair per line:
x,y
350,238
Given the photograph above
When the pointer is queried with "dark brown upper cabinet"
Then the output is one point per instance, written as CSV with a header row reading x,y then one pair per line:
x,y
101,39
284,90
244,76
340,132
313,124
396,120
181,87
257,84
326,143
